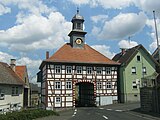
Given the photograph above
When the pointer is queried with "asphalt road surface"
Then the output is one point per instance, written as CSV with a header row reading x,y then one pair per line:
x,y
106,114
110,112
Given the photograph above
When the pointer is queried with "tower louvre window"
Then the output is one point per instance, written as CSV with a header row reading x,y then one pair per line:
x,y
78,25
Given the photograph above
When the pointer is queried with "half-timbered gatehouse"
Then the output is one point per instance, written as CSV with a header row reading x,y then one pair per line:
x,y
77,75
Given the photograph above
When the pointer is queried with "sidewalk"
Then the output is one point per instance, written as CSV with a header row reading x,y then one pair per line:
x,y
123,106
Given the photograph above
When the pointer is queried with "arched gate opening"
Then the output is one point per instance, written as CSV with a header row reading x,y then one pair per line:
x,y
84,94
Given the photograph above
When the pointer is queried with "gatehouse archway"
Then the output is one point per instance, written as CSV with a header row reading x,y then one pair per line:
x,y
84,94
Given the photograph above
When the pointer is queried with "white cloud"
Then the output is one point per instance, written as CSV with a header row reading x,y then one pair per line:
x,y
96,30
79,2
150,23
32,67
105,50
5,57
37,32
116,4
4,10
32,6
123,25
106,4
148,5
99,18
127,44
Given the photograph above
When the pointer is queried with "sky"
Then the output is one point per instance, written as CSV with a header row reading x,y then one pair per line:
x,y
29,28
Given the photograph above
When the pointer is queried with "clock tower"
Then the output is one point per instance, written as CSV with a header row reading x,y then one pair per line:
x,y
77,35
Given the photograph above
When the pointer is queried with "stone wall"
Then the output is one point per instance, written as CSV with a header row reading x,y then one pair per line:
x,y
150,99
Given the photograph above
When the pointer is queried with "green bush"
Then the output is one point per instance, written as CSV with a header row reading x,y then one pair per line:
x,y
27,114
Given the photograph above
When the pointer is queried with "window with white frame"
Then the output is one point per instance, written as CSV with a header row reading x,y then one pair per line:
x,y
134,85
57,85
108,70
133,70
58,99
99,85
68,85
79,69
68,69
89,70
144,70
57,69
15,91
109,85
99,70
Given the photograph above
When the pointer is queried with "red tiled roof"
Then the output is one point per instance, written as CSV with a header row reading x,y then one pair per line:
x,y
76,55
20,71
8,76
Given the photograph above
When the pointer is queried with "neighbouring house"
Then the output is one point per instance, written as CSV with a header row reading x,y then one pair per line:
x,y
11,89
35,95
21,71
77,75
136,64
150,92
156,55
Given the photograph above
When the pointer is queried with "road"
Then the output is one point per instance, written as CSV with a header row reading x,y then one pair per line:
x,y
105,114
109,112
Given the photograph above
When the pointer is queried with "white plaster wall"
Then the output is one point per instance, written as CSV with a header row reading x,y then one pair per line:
x,y
9,99
69,104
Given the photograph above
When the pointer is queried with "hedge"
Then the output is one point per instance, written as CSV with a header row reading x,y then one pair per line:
x,y
27,114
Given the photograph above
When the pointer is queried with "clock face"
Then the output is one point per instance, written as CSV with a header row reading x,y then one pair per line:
x,y
78,41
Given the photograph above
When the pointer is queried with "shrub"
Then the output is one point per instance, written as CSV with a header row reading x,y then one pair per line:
x,y
27,114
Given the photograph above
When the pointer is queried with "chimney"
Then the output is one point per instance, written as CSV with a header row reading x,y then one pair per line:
x,y
123,51
47,54
13,64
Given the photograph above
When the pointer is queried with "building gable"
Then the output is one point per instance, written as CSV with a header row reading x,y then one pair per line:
x,y
8,76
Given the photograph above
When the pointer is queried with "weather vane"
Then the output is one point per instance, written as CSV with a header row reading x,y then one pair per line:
x,y
77,10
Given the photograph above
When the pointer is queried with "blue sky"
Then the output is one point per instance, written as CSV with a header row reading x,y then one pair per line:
x,y
29,28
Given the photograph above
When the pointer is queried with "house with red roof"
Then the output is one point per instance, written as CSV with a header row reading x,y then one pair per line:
x,y
21,71
11,89
77,74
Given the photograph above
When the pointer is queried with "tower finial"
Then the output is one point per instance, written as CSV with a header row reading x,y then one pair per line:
x,y
77,10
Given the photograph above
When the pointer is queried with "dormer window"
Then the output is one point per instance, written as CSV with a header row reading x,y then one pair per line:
x,y
138,58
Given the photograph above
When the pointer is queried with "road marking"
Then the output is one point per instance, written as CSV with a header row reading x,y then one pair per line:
x,y
75,112
118,110
109,109
101,108
105,117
